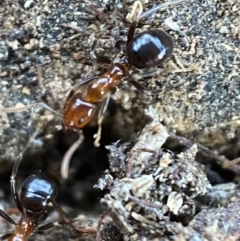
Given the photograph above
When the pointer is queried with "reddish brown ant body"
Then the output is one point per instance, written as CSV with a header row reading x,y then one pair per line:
x,y
38,192
145,50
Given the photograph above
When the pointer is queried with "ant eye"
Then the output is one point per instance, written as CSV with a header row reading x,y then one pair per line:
x,y
80,121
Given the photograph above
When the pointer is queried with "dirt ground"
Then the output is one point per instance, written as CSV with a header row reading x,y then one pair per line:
x,y
164,174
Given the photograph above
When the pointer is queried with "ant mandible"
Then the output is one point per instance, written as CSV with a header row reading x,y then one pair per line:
x,y
145,50
38,192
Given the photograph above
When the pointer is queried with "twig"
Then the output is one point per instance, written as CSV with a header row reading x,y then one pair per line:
x,y
202,149
210,155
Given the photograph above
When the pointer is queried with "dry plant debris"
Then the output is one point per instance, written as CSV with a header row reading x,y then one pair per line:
x,y
157,187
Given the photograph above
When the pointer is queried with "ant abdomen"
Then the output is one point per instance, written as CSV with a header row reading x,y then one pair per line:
x,y
37,191
77,112
38,194
149,48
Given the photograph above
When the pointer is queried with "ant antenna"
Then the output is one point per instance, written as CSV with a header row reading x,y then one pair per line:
x,y
155,9
64,170
20,156
12,179
15,171
23,108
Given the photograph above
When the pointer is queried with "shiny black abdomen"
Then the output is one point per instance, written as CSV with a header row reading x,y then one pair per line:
x,y
149,48
37,191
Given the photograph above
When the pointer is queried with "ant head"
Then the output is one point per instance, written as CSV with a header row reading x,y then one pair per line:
x,y
77,112
37,191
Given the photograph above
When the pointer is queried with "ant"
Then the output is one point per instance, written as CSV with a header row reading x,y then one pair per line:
x,y
145,50
38,193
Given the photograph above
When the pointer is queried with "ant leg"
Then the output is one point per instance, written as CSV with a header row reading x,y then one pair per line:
x,y
16,109
102,59
137,14
99,58
156,8
131,32
6,236
51,225
133,17
230,163
20,109
101,15
101,114
83,82
67,156
139,87
69,222
45,227
7,217
120,43
60,211
42,217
